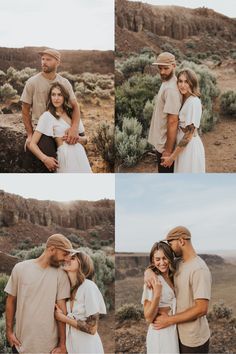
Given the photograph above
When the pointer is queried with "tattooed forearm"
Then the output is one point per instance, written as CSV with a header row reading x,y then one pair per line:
x,y
90,325
188,132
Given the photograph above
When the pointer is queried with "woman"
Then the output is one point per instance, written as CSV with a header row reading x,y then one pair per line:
x,y
55,122
83,308
161,299
189,155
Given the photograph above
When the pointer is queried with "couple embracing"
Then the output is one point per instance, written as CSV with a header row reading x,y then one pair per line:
x,y
176,296
55,302
48,100
176,119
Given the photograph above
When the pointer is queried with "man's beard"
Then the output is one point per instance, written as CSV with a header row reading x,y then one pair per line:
x,y
54,262
167,77
47,69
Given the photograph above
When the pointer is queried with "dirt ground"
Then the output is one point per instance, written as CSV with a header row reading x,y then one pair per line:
x,y
106,330
92,116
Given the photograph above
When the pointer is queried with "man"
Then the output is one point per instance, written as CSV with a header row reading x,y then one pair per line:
x,y
34,287
164,123
193,291
34,103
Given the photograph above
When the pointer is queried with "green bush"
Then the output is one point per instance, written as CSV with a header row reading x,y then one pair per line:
x,y
220,311
233,55
130,146
129,312
104,142
228,103
131,97
3,282
29,254
136,64
7,92
3,345
147,111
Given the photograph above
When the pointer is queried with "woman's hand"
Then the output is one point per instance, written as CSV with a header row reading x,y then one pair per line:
x,y
157,287
51,163
167,161
59,315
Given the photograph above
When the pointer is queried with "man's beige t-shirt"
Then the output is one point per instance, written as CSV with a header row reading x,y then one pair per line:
x,y
192,281
36,92
37,291
168,101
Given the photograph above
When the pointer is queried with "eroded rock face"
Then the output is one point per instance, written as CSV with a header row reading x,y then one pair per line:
x,y
173,21
80,215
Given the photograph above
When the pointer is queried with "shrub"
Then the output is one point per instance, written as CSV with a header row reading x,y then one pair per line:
x,y
3,345
220,311
136,64
29,254
104,94
104,141
130,146
233,55
7,92
132,96
3,282
129,312
216,57
228,103
147,112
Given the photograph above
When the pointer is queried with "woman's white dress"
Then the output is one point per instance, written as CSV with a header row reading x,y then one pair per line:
x,y
192,158
88,301
71,158
164,340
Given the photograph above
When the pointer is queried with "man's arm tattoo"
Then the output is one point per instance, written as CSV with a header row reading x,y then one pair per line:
x,y
188,132
89,324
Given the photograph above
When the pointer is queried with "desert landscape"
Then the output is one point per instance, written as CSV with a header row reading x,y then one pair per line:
x,y
91,74
25,225
201,39
131,328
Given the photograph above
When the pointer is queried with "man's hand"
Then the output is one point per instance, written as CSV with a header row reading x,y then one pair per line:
x,y
59,350
12,339
167,161
161,321
71,136
149,278
27,142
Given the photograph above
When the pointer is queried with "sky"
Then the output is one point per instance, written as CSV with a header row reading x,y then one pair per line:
x,y
60,187
149,205
226,7
60,24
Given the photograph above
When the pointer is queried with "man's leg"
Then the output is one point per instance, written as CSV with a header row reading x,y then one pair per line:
x,y
201,349
162,169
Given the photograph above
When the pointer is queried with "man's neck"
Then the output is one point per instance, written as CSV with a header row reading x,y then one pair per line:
x,y
189,254
49,76
43,261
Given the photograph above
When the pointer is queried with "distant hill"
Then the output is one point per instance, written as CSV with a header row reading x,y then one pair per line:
x,y
140,25
73,61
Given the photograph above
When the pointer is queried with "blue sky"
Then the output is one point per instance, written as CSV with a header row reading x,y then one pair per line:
x,y
226,7
61,24
60,187
149,205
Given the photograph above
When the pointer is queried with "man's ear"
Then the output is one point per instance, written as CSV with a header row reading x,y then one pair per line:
x,y
182,241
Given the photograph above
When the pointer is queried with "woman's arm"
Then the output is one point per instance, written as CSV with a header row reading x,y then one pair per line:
x,y
50,162
189,131
88,326
151,307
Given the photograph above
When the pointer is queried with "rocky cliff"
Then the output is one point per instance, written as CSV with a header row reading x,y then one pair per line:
x,y
155,24
73,61
25,223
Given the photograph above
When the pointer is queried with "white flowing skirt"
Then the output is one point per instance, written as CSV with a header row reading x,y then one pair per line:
x,y
72,159
163,340
192,158
81,342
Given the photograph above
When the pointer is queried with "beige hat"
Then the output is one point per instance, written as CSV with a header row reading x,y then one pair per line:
x,y
53,52
165,59
177,232
59,241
